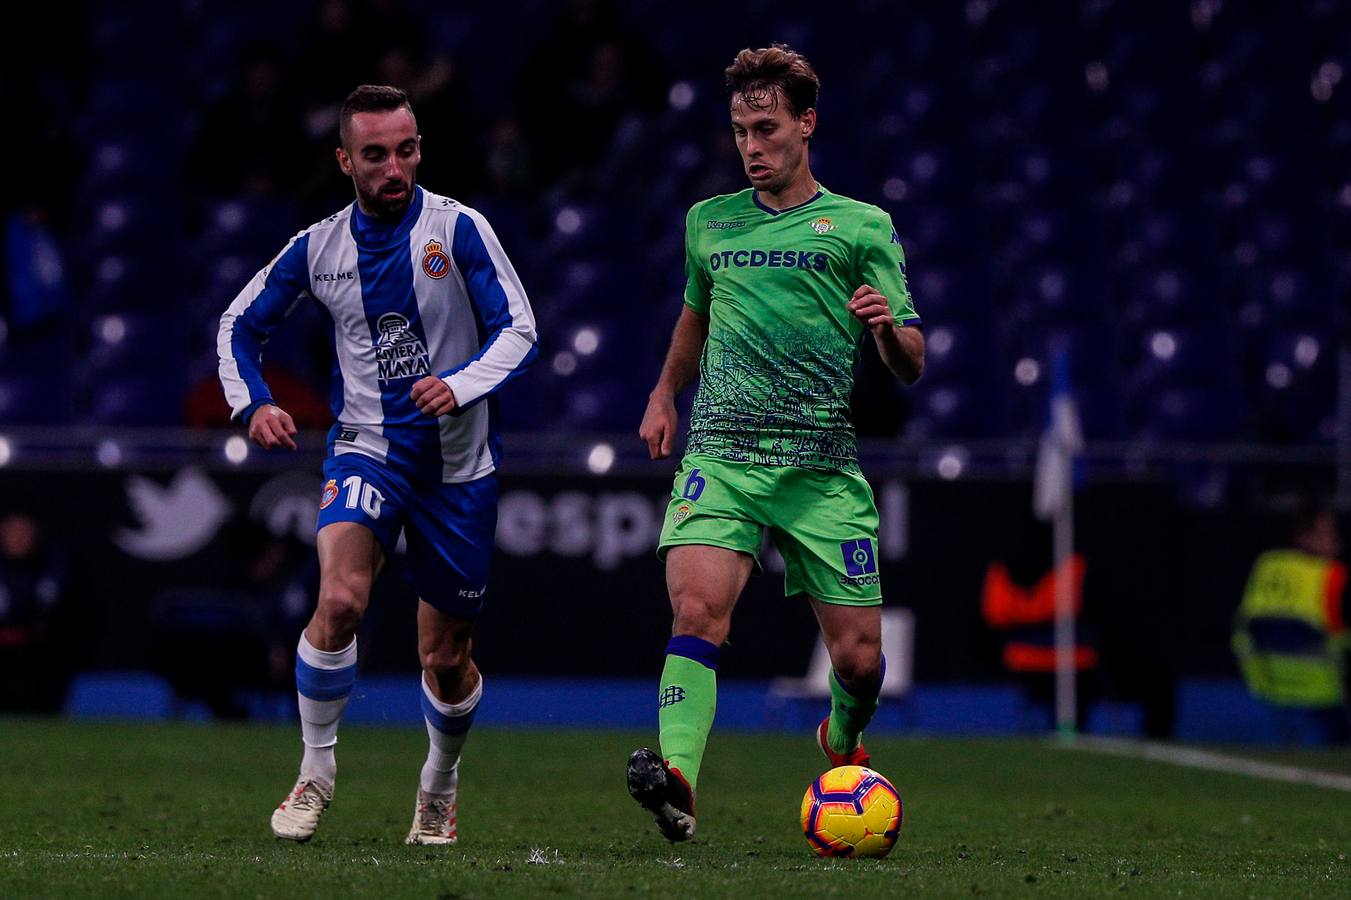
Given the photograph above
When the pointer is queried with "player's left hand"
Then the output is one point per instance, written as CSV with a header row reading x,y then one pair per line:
x,y
433,396
871,308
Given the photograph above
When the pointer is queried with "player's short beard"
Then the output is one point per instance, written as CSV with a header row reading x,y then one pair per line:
x,y
383,208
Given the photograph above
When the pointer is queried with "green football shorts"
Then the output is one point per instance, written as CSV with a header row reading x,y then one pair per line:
x,y
823,523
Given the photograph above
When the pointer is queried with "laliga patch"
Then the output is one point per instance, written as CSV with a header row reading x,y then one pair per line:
x,y
435,264
330,493
858,557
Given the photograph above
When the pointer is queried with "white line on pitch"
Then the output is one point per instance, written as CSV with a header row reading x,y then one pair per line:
x,y
1213,762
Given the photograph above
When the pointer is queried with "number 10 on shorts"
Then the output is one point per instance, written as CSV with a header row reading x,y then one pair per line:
x,y
359,492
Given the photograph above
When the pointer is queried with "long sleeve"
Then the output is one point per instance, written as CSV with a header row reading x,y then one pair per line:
x,y
501,310
244,327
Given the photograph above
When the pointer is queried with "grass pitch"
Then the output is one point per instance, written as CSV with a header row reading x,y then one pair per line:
x,y
180,810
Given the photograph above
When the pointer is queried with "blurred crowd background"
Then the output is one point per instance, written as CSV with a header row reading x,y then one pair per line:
x,y
1164,189
1159,192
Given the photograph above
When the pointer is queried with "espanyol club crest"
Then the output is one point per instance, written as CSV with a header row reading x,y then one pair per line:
x,y
436,264
330,493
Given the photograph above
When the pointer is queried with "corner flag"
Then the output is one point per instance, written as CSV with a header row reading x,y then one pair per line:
x,y
1053,499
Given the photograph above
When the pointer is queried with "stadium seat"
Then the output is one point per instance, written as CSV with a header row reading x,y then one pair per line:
x,y
957,353
123,281
1297,389
952,410
134,400
1181,357
27,399
1056,294
948,295
933,233
1290,298
1189,414
1167,296
126,342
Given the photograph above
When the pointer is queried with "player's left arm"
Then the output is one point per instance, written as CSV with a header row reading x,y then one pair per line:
x,y
900,346
511,343
882,301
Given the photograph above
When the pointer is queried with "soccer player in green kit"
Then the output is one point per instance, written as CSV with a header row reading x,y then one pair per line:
x,y
782,280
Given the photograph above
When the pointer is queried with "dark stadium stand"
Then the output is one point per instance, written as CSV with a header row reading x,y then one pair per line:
x,y
1161,189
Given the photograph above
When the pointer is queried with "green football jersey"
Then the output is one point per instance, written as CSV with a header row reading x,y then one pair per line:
x,y
778,367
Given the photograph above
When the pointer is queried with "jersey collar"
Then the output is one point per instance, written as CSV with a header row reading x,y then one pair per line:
x,y
755,197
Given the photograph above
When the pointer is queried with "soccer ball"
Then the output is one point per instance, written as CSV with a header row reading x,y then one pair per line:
x,y
851,811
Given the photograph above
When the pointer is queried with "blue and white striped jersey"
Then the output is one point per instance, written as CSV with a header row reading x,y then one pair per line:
x,y
432,294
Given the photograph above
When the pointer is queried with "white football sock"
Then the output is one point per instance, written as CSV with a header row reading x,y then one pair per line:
x,y
447,728
324,681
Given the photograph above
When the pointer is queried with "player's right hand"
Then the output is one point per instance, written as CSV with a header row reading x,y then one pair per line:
x,y
659,424
271,427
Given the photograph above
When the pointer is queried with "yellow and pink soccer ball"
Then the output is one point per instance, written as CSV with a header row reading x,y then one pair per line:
x,y
852,812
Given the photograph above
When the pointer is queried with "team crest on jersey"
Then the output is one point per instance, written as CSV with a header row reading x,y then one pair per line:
x,y
399,352
436,264
823,225
330,493
681,514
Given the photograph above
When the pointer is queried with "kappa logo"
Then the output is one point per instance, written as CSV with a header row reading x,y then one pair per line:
x,y
823,225
672,695
330,493
399,352
436,264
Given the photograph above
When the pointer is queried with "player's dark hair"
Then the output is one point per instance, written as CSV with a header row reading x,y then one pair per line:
x,y
762,76
369,98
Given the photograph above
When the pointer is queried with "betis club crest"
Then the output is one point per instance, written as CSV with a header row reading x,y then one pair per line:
x,y
822,225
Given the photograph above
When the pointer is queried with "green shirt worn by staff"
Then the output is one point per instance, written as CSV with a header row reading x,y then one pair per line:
x,y
777,368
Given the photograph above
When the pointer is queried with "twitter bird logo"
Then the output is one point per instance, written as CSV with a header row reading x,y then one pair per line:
x,y
175,521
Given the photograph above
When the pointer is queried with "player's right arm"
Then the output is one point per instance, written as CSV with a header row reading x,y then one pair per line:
x,y
245,326
682,364
687,346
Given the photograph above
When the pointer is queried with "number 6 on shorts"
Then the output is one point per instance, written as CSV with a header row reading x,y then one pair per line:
x,y
694,486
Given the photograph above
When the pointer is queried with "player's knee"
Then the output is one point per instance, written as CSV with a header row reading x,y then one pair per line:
x,y
342,604
448,661
859,661
695,615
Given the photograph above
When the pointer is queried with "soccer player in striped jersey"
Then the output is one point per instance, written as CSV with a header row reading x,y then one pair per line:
x,y
429,321
783,281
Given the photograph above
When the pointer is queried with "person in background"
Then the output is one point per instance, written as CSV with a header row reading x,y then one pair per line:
x,y
1290,631
33,591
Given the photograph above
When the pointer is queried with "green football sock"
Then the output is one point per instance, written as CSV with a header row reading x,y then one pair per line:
x,y
685,706
850,713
